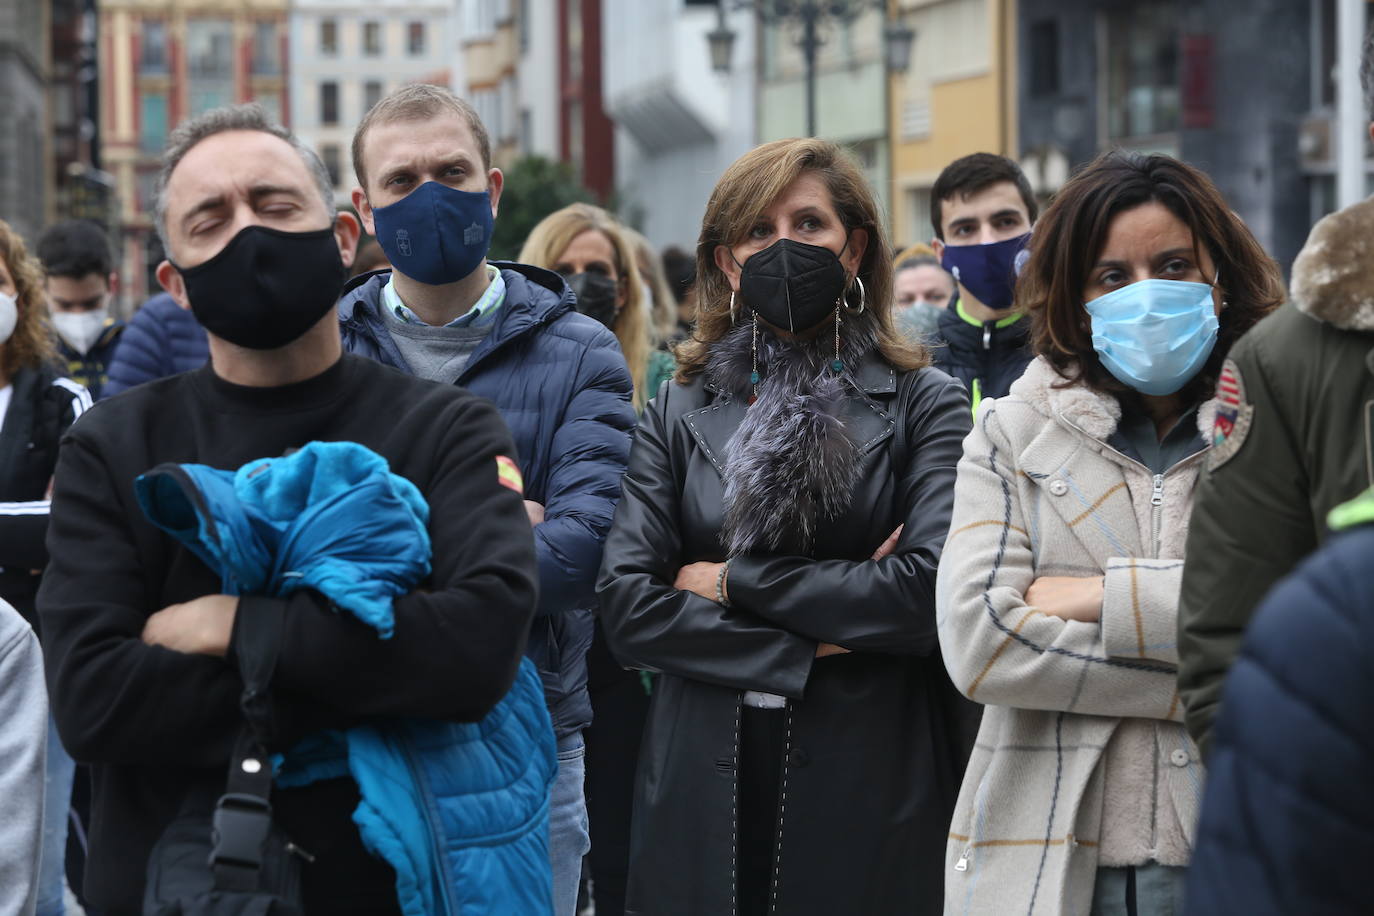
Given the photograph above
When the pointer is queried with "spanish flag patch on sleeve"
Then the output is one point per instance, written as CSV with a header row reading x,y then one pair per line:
x,y
509,475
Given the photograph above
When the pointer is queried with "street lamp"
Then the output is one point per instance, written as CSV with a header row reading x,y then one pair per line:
x,y
811,15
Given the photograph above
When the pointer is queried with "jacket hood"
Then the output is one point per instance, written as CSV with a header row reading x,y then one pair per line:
x,y
1093,412
533,296
1333,276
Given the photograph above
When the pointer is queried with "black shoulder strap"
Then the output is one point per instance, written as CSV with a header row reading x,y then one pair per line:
x,y
243,814
243,817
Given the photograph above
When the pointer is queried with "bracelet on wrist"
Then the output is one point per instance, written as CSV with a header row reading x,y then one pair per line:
x,y
721,599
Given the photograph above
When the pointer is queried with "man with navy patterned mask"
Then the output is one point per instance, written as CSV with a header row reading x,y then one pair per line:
x,y
510,332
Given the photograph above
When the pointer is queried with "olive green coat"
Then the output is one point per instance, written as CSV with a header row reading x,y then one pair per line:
x,y
1302,443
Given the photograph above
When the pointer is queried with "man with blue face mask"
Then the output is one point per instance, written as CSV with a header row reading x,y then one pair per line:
x,y
509,332
982,210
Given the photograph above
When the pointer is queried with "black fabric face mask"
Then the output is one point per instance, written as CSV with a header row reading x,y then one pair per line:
x,y
267,287
791,285
596,294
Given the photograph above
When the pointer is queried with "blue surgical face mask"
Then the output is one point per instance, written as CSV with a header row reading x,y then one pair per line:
x,y
1155,335
436,234
987,271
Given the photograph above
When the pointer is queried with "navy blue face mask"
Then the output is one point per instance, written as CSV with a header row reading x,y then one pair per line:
x,y
436,234
987,271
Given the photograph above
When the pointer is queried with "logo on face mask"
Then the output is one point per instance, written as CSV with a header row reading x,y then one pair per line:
x,y
988,271
474,235
403,242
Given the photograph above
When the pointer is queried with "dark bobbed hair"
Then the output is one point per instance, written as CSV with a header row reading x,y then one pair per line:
x,y
746,190
968,176
1072,232
74,248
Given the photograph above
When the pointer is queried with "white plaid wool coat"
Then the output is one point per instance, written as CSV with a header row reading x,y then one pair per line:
x,y
1041,493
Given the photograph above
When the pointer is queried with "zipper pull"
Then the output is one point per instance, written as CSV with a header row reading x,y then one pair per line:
x,y
1158,498
987,336
962,864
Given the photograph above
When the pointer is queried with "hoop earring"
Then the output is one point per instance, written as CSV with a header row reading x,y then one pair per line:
x,y
732,306
863,298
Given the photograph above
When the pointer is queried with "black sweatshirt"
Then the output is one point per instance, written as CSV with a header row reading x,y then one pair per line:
x,y
155,723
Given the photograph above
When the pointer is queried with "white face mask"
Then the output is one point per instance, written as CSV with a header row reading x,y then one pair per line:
x,y
9,316
81,329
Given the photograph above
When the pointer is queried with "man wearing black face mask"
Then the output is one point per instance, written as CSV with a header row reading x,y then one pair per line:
x,y
146,659
508,332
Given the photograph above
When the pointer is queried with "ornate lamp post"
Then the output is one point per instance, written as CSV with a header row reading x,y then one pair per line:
x,y
810,16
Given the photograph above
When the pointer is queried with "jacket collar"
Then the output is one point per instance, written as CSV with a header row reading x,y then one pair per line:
x,y
874,375
534,297
965,334
1333,276
868,422
1092,412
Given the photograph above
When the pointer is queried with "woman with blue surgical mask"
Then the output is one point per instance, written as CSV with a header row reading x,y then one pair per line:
x,y
1057,594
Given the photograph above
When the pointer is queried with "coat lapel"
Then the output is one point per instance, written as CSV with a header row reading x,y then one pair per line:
x,y
713,425
1085,488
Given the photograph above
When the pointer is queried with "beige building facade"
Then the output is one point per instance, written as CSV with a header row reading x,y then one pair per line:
x,y
162,61
957,97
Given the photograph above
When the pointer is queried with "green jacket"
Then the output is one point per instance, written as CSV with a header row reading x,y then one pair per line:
x,y
1297,441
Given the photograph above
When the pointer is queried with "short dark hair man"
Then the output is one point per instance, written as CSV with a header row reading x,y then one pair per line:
x,y
1294,438
79,282
509,332
144,653
982,210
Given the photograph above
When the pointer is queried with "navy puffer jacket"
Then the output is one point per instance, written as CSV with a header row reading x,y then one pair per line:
x,y
1288,814
162,339
562,386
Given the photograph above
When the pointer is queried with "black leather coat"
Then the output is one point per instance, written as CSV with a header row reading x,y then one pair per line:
x,y
877,740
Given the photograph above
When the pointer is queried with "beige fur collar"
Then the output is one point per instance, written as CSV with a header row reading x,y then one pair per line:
x,y
1333,276
1094,413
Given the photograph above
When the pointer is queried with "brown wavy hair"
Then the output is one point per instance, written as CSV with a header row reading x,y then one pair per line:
x,y
1069,239
747,189
31,344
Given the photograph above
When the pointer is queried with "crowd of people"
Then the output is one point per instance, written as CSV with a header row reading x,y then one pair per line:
x,y
800,574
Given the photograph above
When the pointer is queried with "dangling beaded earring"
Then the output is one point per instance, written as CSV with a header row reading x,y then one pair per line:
x,y
732,308
754,376
838,364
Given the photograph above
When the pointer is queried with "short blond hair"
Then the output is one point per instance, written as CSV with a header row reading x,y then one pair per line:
x,y
418,102
545,247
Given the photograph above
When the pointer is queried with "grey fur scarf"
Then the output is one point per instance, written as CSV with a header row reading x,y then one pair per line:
x,y
790,465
